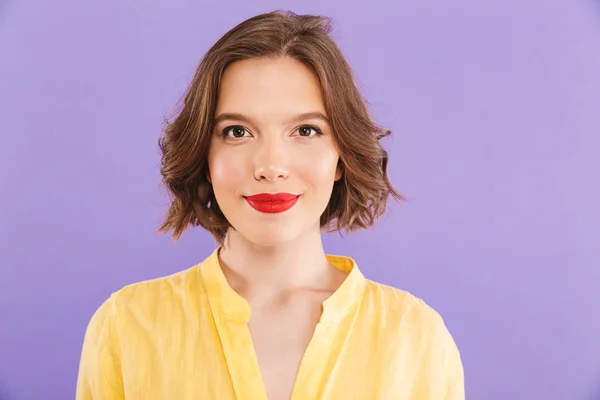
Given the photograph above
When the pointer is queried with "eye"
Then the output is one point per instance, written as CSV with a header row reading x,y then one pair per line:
x,y
235,131
307,130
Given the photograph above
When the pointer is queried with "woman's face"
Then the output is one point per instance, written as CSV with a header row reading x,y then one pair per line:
x,y
272,137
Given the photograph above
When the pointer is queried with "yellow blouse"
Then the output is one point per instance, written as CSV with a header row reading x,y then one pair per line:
x,y
185,336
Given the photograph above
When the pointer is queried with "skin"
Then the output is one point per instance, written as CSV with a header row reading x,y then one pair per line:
x,y
275,261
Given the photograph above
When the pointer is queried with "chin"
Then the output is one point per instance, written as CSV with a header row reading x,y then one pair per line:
x,y
266,237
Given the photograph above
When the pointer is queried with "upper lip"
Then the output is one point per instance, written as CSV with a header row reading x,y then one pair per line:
x,y
272,197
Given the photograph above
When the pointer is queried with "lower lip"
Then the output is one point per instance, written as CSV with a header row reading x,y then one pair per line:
x,y
272,207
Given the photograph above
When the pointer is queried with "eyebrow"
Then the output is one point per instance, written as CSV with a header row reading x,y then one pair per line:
x,y
296,118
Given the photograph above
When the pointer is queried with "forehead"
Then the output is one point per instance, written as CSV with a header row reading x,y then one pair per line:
x,y
273,86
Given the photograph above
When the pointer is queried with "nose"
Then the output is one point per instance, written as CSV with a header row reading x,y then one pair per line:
x,y
271,161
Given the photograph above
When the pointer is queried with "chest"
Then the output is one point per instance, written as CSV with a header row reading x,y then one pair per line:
x,y
281,337
277,355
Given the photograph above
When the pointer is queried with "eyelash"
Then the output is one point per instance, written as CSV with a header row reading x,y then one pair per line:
x,y
225,131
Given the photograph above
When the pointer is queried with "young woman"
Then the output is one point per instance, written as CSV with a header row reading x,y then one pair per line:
x,y
272,146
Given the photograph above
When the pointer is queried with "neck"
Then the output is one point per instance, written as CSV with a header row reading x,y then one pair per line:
x,y
275,269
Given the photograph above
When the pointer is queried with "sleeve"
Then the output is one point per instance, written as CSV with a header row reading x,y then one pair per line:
x,y
453,371
100,366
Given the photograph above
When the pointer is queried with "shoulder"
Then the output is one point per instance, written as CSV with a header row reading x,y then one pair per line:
x,y
149,299
400,304
159,298
408,316
409,326
164,288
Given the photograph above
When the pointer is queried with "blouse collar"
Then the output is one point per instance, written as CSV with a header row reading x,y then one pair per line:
x,y
223,298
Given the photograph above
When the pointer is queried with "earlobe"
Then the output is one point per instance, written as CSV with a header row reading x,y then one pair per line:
x,y
208,177
338,171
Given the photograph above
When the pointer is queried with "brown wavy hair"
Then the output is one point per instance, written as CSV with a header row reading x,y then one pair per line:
x,y
357,200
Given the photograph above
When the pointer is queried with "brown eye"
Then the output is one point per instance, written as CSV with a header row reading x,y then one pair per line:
x,y
235,131
306,130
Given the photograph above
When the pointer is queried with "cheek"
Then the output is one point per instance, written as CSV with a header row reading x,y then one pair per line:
x,y
226,170
320,166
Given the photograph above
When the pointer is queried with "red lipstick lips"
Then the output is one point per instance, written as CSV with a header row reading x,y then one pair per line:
x,y
272,203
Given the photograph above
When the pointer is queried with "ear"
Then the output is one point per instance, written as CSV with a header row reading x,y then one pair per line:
x,y
338,171
208,176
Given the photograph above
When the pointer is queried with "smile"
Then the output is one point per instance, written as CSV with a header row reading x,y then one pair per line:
x,y
271,203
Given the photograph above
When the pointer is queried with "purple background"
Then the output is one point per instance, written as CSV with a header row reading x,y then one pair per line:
x,y
495,110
